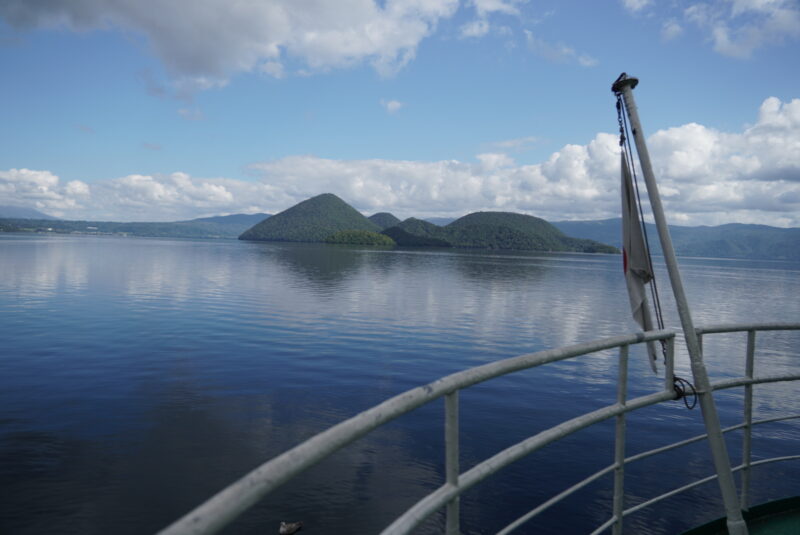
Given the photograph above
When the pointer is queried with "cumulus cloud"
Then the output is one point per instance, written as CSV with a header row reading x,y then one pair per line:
x,y
204,42
42,190
706,176
483,9
737,28
749,177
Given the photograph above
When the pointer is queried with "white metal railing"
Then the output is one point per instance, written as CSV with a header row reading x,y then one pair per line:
x,y
225,506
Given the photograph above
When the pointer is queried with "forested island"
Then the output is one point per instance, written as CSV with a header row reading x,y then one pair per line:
x,y
327,218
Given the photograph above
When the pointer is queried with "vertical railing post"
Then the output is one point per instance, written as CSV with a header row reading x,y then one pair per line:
x,y
451,459
619,444
669,371
748,420
719,451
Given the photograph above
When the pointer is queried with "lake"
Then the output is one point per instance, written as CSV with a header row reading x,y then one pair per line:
x,y
140,376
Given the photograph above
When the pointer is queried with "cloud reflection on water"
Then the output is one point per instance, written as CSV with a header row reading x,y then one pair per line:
x,y
156,371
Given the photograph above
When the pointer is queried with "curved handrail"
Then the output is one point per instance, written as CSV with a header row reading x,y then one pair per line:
x,y
744,327
637,457
438,498
226,505
222,508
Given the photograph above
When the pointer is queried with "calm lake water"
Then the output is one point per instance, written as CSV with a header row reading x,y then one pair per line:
x,y
140,376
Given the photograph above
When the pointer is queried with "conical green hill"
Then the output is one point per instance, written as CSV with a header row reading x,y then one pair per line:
x,y
384,219
312,220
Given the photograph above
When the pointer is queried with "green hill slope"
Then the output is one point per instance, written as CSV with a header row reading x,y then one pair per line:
x,y
506,230
359,237
415,232
312,220
492,230
384,219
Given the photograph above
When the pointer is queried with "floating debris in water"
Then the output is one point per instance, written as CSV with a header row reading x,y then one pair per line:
x,y
287,528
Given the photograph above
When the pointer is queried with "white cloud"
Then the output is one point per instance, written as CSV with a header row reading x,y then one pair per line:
x,y
76,188
392,106
41,190
738,28
557,52
204,42
670,30
705,176
636,5
494,160
476,28
273,68
485,7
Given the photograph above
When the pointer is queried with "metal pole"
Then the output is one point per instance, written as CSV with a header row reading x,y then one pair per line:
x,y
451,459
619,443
748,420
736,525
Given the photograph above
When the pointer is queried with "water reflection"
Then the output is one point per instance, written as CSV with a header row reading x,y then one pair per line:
x,y
186,446
138,376
38,268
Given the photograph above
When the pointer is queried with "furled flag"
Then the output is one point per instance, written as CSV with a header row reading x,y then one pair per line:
x,y
635,258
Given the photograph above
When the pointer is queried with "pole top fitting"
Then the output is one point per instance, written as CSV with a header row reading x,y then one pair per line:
x,y
623,81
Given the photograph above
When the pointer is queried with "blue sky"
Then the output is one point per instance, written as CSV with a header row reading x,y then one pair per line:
x,y
145,110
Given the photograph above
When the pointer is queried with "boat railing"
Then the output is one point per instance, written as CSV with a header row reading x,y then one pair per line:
x,y
229,503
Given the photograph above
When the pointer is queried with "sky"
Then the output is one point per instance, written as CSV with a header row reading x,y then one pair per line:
x,y
144,110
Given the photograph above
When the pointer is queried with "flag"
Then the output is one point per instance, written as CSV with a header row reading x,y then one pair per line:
x,y
635,258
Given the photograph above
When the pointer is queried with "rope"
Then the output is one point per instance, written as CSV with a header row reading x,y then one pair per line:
x,y
627,151
680,386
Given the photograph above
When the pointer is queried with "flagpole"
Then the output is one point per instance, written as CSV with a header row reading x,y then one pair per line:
x,y
736,525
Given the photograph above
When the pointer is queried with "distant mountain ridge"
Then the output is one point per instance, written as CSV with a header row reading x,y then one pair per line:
x,y
441,221
230,226
732,240
21,212
233,219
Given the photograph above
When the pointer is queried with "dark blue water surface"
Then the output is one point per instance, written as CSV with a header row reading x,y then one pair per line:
x,y
140,376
